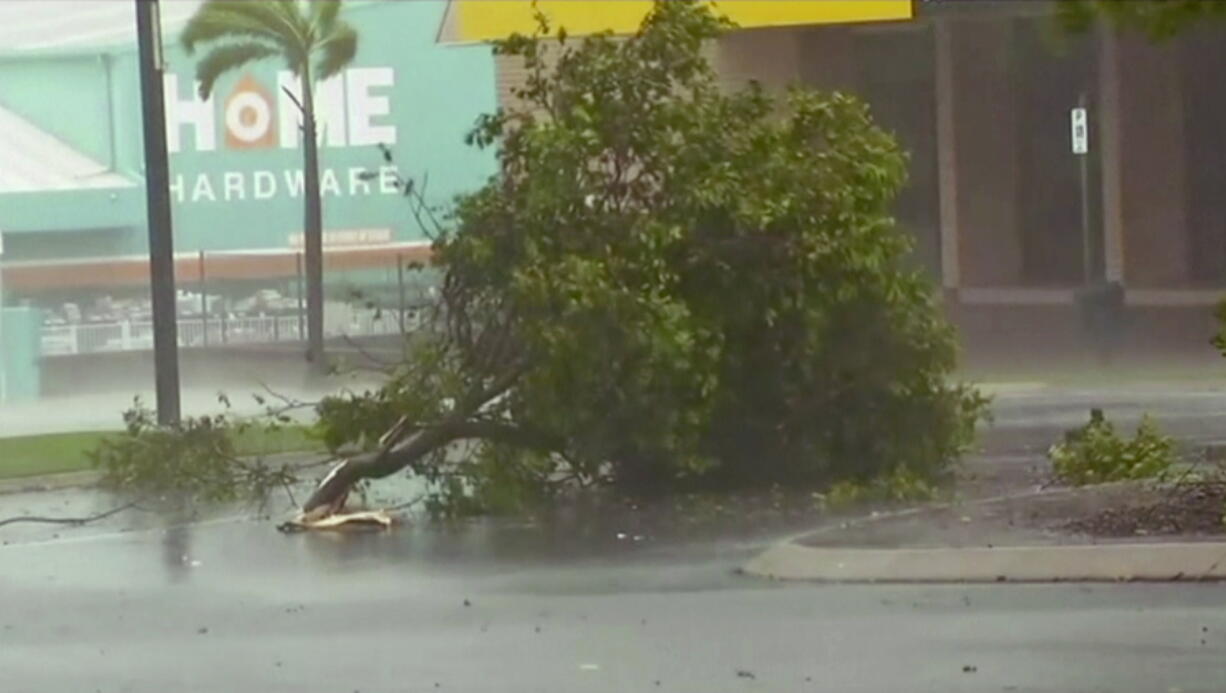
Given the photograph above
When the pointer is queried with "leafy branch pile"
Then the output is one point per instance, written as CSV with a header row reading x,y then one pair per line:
x,y
198,458
1095,453
899,486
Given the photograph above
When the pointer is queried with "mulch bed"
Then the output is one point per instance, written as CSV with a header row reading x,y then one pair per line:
x,y
1188,508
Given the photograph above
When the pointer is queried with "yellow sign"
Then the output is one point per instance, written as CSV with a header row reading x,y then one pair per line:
x,y
485,20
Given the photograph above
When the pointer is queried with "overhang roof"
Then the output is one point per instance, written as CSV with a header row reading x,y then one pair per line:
x,y
32,160
133,270
48,25
67,26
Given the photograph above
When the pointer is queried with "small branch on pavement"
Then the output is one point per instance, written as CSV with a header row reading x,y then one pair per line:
x,y
1209,571
292,501
75,521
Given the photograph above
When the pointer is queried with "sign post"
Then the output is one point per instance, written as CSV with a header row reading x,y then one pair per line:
x,y
1102,303
1080,126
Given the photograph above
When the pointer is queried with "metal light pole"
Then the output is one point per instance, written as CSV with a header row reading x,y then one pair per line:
x,y
157,200
204,302
4,368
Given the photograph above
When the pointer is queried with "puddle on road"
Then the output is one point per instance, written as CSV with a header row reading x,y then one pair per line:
x,y
160,547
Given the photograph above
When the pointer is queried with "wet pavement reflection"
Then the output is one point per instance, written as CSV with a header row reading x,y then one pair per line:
x,y
596,596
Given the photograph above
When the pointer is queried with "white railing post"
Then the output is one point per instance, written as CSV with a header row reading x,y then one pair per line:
x,y
127,335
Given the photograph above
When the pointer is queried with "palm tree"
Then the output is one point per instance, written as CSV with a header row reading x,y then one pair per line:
x,y
315,44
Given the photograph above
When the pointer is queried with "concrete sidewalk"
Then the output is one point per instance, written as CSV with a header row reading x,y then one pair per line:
x,y
1193,561
1016,538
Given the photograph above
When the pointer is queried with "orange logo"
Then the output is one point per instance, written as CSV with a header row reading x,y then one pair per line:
x,y
249,116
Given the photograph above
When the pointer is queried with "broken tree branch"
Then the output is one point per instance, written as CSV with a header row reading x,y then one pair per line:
x,y
288,403
419,441
381,365
76,521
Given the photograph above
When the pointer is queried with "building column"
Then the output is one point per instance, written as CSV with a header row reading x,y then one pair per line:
x,y
947,169
977,123
1109,144
1144,195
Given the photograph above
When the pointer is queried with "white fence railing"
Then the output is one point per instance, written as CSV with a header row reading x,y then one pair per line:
x,y
195,332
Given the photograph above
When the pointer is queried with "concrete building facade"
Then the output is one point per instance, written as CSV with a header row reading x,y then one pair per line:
x,y
981,94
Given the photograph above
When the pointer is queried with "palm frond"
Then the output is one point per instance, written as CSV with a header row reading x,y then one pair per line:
x,y
323,14
302,31
293,21
336,51
293,18
206,30
218,20
278,14
222,59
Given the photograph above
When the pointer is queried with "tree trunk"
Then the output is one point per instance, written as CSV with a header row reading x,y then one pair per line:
x,y
335,487
332,491
312,230
406,445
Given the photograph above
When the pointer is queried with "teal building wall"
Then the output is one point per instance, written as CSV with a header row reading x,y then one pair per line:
x,y
90,100
19,353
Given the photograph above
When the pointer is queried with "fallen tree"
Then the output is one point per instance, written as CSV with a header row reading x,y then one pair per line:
x,y
668,283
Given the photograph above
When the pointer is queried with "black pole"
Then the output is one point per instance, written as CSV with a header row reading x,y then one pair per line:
x,y
157,200
204,304
400,282
298,280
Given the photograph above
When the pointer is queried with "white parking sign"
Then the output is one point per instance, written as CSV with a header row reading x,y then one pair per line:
x,y
1081,131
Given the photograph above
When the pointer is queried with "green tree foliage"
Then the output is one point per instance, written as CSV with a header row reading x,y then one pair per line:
x,y
899,486
1159,19
1095,453
1219,340
668,282
315,44
196,458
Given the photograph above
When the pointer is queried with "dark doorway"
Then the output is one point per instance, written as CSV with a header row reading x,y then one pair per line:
x,y
897,78
1203,58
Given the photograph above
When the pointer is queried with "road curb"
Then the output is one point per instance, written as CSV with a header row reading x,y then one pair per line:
x,y
1195,561
793,559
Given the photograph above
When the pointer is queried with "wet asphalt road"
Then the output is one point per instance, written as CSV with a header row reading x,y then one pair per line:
x,y
234,606
231,606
